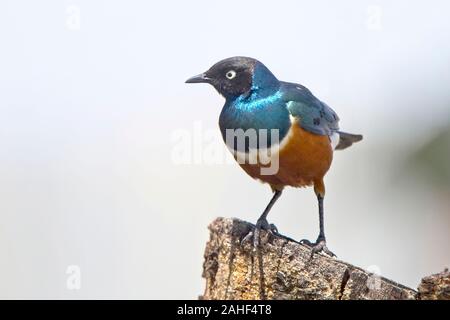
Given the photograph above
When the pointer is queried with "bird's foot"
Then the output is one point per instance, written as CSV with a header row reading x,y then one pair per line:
x,y
261,224
319,246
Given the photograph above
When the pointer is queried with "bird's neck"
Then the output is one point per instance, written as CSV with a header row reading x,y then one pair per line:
x,y
263,80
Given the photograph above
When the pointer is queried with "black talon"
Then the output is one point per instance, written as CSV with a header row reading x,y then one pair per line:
x,y
273,228
319,246
260,225
307,242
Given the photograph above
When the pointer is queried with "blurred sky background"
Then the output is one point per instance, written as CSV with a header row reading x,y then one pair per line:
x,y
92,93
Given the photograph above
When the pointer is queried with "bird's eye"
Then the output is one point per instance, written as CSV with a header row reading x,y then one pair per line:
x,y
231,74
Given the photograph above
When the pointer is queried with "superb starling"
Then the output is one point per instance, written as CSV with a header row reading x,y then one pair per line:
x,y
300,132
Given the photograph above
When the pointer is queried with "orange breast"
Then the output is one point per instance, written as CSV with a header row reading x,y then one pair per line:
x,y
304,159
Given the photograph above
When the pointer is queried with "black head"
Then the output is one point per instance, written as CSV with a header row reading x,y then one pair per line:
x,y
231,77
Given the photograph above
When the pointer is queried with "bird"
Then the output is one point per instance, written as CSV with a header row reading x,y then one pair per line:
x,y
301,134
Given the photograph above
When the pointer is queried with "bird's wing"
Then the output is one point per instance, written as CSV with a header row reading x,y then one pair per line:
x,y
314,115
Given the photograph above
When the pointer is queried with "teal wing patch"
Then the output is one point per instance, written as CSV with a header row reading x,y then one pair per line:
x,y
314,115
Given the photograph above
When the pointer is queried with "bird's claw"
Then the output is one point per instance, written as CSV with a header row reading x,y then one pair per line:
x,y
261,224
319,246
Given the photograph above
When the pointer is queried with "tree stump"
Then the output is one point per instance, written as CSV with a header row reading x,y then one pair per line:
x,y
284,269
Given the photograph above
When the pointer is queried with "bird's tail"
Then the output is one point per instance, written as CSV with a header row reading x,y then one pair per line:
x,y
347,139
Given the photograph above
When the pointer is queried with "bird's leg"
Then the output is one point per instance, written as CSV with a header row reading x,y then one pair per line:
x,y
320,244
262,223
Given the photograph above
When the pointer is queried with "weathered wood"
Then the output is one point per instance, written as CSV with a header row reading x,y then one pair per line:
x,y
435,287
283,269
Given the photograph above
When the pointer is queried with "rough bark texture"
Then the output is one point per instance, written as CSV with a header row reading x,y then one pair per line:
x,y
283,269
435,287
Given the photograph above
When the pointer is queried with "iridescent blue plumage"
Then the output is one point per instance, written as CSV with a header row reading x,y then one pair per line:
x,y
260,108
315,116
269,104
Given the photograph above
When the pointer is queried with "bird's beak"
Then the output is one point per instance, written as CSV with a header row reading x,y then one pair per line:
x,y
200,78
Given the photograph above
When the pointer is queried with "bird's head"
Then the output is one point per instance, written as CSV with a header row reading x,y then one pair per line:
x,y
237,76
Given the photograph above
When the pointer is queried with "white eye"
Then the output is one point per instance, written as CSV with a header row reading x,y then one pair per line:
x,y
231,74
